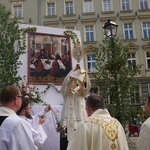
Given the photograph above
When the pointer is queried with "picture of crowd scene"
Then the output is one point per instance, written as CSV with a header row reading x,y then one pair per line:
x,y
49,58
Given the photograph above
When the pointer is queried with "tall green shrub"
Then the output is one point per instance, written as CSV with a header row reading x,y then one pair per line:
x,y
116,78
12,45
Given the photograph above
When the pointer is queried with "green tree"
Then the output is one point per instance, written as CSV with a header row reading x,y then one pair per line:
x,y
116,78
12,45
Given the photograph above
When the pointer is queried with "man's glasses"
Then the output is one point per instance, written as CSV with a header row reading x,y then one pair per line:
x,y
28,108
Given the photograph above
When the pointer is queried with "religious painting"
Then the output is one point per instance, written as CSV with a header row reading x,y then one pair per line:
x,y
49,58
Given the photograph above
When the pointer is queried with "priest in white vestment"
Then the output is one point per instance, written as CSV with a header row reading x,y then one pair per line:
x,y
15,133
99,131
74,89
143,141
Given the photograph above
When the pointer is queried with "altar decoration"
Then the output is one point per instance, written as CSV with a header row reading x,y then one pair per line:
x,y
77,51
32,92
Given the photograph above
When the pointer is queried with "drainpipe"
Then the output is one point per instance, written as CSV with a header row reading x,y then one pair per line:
x,y
39,12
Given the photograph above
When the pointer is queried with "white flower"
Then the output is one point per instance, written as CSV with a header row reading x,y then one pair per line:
x,y
33,93
34,96
26,96
27,90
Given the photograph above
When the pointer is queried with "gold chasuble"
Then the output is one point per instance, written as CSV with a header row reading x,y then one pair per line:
x,y
100,131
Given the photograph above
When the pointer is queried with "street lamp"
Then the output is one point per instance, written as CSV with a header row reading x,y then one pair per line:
x,y
110,29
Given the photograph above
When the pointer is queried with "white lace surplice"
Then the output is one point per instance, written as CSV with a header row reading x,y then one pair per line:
x,y
74,89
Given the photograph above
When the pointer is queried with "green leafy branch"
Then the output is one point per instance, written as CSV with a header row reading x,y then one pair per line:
x,y
73,36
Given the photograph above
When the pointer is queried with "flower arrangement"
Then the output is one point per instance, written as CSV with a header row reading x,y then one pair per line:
x,y
32,92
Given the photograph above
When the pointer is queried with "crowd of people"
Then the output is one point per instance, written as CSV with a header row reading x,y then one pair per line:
x,y
97,130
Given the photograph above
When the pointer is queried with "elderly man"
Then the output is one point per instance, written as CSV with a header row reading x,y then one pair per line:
x,y
15,133
99,131
143,141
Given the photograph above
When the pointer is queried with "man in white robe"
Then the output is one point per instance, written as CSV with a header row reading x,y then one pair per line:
x,y
143,141
99,131
15,133
75,87
39,135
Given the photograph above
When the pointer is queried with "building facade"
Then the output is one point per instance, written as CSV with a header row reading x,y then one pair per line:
x,y
89,16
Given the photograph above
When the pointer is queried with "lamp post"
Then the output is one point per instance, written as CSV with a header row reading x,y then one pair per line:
x,y
110,30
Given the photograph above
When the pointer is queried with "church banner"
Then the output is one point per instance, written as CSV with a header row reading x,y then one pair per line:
x,y
49,58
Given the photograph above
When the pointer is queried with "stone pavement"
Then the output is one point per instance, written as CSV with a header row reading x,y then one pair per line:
x,y
132,143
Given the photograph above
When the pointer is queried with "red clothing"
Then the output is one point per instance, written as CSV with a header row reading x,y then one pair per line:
x,y
55,68
133,129
39,67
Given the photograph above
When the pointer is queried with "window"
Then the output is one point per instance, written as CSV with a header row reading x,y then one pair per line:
x,y
51,9
91,63
69,8
125,4
17,11
88,6
143,4
106,5
146,30
148,59
89,31
136,95
128,31
132,60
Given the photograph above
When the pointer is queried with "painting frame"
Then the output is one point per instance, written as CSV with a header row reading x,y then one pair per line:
x,y
49,58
